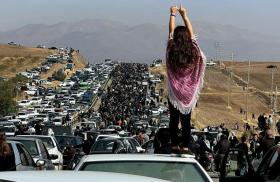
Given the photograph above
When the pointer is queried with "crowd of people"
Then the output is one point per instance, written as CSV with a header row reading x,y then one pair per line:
x,y
127,95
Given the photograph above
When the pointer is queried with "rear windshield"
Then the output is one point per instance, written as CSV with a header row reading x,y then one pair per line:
x,y
171,171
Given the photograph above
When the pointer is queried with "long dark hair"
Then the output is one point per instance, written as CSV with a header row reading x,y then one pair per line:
x,y
182,52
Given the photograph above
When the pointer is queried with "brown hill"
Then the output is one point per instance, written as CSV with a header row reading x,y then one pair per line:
x,y
14,59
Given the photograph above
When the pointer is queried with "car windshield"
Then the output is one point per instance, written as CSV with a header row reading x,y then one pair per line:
x,y
171,171
103,146
31,146
66,141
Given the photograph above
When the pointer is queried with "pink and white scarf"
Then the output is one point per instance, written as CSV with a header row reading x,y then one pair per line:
x,y
184,86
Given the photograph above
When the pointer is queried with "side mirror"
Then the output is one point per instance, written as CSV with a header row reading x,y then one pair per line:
x,y
53,156
40,163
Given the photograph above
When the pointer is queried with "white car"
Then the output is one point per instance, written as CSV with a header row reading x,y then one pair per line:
x,y
50,96
166,167
23,158
155,112
155,80
31,91
36,100
72,101
52,147
22,115
71,176
24,103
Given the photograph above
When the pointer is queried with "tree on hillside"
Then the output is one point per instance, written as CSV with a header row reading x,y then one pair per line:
x,y
7,102
59,75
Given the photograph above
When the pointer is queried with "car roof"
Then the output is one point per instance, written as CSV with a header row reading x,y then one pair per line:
x,y
34,136
138,157
73,176
23,138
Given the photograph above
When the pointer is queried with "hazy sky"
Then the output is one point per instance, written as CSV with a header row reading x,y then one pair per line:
x,y
257,15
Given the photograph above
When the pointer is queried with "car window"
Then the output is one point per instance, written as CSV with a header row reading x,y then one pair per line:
x,y
25,157
269,167
48,142
103,145
31,146
262,170
171,171
44,152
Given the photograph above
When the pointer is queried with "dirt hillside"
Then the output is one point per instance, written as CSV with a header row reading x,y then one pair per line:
x,y
14,59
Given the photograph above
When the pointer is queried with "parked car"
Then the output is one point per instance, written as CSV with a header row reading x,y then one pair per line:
x,y
23,159
24,103
156,166
52,147
237,166
37,150
70,145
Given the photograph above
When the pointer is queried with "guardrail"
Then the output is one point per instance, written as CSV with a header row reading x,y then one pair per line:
x,y
76,116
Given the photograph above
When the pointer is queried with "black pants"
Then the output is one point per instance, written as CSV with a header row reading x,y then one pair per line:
x,y
175,116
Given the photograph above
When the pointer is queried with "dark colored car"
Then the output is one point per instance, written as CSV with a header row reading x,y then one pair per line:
x,y
237,166
116,145
71,146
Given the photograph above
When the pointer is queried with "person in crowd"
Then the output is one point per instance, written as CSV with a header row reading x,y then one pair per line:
x,y
233,141
185,64
78,132
220,150
242,164
269,121
39,128
7,159
140,137
267,142
204,145
254,144
162,142
243,144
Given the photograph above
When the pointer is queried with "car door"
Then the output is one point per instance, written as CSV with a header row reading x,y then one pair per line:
x,y
270,165
236,167
26,160
45,156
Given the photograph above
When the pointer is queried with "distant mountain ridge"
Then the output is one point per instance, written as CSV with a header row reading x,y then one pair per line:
x,y
100,39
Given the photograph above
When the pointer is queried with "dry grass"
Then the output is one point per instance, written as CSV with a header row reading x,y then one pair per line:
x,y
212,106
14,59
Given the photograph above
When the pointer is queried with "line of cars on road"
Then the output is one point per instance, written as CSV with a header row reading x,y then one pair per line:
x,y
58,106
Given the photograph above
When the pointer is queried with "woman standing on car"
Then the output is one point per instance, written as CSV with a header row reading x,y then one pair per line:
x,y
185,69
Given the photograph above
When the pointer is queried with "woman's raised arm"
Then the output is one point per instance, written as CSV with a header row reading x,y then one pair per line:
x,y
187,21
172,21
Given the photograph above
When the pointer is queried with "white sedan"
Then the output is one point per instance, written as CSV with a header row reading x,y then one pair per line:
x,y
166,167
71,176
24,103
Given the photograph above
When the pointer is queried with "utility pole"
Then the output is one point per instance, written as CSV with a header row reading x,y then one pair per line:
x,y
247,90
275,100
272,101
230,80
218,53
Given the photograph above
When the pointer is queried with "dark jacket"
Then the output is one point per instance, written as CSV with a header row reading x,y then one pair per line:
x,y
222,146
